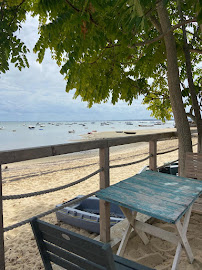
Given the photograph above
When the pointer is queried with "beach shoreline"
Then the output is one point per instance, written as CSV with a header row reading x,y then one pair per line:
x,y
34,175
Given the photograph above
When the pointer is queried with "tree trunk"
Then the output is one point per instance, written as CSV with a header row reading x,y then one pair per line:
x,y
195,103
182,125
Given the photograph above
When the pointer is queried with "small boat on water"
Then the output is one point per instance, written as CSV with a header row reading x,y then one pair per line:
x,y
71,131
1,128
31,127
129,132
145,125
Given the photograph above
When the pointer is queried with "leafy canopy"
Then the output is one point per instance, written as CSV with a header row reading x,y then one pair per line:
x,y
11,47
101,48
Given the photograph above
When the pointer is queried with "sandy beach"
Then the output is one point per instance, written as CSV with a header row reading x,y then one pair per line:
x,y
23,177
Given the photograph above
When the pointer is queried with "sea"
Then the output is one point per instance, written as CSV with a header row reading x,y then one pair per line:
x,y
19,135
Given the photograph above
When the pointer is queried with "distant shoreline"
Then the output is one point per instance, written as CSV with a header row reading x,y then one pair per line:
x,y
21,135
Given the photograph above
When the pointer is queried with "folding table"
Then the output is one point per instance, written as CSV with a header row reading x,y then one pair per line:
x,y
159,195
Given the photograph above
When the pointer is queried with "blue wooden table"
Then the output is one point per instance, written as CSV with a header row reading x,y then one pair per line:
x,y
159,195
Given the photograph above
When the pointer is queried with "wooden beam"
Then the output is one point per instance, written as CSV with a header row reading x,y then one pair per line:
x,y
2,258
104,206
124,240
11,156
141,138
157,232
182,230
153,152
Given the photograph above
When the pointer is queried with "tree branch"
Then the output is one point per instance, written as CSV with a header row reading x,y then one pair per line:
x,y
17,7
191,116
112,46
71,5
195,50
98,57
156,23
78,10
146,42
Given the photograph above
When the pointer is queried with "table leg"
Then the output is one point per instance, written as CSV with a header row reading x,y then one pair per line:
x,y
131,217
124,240
182,231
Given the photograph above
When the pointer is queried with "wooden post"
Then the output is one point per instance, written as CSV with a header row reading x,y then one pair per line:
x,y
2,258
104,206
153,151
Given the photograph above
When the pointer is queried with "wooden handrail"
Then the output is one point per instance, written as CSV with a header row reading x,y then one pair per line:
x,y
11,156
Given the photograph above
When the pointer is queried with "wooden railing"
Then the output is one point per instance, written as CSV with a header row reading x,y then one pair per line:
x,y
103,145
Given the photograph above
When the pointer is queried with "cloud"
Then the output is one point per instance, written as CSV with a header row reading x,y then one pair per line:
x,y
38,93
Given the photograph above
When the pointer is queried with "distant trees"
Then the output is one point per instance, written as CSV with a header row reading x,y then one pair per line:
x,y
111,50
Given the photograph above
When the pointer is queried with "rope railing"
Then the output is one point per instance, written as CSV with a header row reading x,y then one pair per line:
x,y
130,163
14,178
19,196
172,150
21,223
166,152
31,194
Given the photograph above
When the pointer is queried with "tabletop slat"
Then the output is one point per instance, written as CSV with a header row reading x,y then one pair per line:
x,y
171,186
159,195
170,179
142,203
158,192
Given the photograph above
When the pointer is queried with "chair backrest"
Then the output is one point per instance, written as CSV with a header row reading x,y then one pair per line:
x,y
193,165
70,250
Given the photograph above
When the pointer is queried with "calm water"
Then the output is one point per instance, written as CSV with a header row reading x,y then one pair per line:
x,y
16,135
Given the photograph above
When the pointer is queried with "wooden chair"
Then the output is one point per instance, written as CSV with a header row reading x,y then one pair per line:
x,y
193,169
73,251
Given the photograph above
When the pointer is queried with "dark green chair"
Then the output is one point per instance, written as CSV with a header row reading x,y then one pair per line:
x,y
73,251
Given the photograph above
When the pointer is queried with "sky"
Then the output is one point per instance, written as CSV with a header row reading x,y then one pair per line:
x,y
38,93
